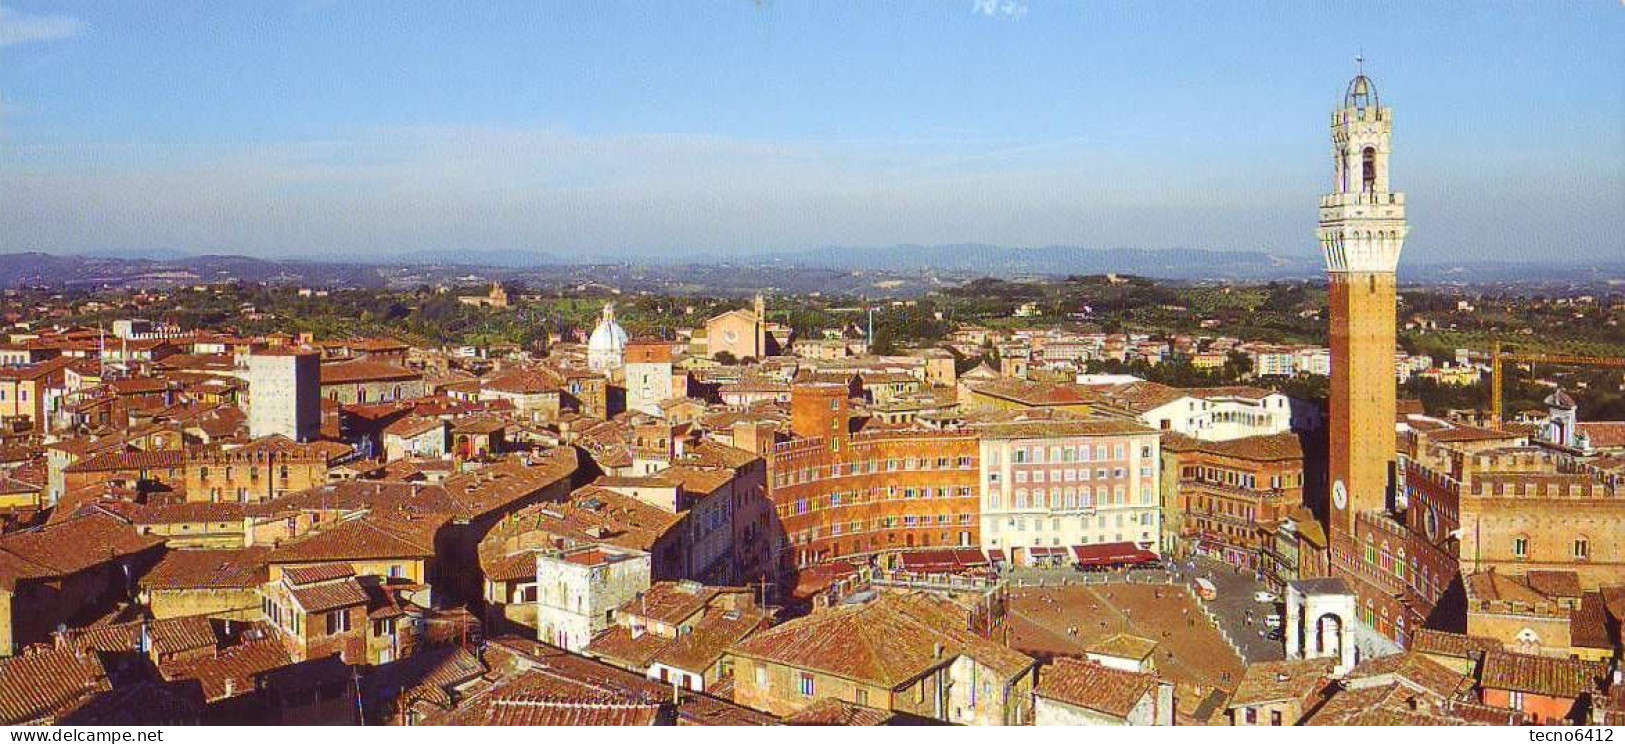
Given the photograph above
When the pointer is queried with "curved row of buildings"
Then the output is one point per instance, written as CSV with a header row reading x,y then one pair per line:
x,y
1002,482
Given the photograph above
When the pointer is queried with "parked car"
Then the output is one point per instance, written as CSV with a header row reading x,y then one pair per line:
x,y
1273,621
1263,596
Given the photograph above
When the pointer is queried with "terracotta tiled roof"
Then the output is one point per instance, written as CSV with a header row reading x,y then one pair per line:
x,y
429,676
412,426
1543,675
1405,689
138,386
38,684
672,602
698,480
68,547
232,671
1244,392
1059,427
10,486
35,371
833,712
1123,646
478,425
1037,393
520,566
1142,396
701,648
1603,434
707,453
302,575
887,642
1493,585
130,460
522,706
1457,645
365,370
1564,584
1283,446
536,698
176,512
524,382
329,595
380,497
282,445
1276,681
166,636
366,537
589,676
1469,434
501,486
1420,671
1384,705
144,703
243,568
755,385
592,515
618,644
1589,624
1098,688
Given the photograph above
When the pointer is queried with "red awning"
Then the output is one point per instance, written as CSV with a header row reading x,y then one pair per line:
x,y
1112,554
926,561
947,560
995,555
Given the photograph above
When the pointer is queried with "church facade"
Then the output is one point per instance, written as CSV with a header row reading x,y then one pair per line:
x,y
743,334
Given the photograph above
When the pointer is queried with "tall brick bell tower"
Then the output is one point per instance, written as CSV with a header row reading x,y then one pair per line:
x,y
1362,228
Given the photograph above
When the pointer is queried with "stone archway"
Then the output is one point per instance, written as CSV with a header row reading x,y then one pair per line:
x,y
1329,632
1319,621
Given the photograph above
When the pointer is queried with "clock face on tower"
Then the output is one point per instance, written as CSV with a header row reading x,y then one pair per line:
x,y
1340,495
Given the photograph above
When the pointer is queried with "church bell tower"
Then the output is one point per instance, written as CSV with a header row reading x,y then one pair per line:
x,y
1362,228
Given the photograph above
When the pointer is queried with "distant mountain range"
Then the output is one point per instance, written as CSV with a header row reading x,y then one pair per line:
x,y
44,269
494,259
1055,260
981,259
926,265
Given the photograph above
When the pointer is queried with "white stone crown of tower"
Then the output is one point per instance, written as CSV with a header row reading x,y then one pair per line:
x,y
1362,223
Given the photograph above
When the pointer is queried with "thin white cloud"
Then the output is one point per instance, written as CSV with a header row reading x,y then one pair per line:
x,y
1011,9
22,28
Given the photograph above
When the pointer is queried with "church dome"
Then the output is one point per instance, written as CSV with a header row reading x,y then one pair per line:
x,y
1362,93
607,344
607,336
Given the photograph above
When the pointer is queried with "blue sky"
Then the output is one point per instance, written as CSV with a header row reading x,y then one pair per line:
x,y
654,128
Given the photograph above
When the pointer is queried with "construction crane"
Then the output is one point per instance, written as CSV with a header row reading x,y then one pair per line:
x,y
1498,357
